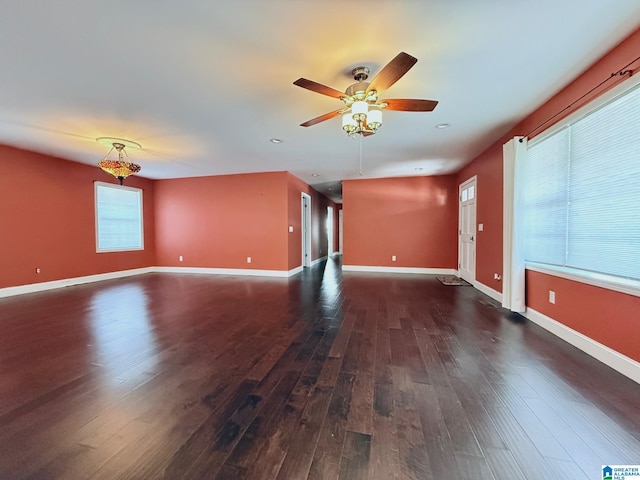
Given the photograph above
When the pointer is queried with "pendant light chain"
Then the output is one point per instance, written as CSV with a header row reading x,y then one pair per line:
x,y
360,155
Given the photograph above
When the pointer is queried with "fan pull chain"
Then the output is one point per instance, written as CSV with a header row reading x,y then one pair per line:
x,y
360,155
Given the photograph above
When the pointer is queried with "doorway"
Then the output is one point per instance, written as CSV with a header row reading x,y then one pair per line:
x,y
329,231
467,230
306,230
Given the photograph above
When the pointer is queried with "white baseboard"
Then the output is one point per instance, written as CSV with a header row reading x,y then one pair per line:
x,y
422,271
227,271
621,363
496,295
295,271
67,282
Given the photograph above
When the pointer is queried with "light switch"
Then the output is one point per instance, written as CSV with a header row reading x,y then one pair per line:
x,y
290,228
480,227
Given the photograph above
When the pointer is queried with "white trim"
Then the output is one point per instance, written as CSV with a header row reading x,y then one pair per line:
x,y
490,292
422,271
306,234
318,260
621,363
340,228
140,193
228,271
295,271
630,287
67,282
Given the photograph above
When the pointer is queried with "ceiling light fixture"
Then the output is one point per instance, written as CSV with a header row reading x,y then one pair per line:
x,y
363,113
276,140
119,168
442,125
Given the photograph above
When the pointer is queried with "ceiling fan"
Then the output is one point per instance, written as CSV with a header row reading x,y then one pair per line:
x,y
362,113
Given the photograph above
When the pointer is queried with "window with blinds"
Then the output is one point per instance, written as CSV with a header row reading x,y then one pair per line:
x,y
581,192
119,223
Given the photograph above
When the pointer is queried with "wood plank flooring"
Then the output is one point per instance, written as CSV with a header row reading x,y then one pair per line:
x,y
322,376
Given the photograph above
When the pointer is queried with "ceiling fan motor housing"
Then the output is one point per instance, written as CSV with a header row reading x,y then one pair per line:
x,y
360,74
353,90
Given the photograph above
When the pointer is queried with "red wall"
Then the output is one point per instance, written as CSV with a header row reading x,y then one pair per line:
x,y
488,165
597,321
219,221
414,218
47,208
609,317
47,220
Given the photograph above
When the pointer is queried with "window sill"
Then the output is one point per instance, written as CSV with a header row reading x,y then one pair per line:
x,y
119,250
622,285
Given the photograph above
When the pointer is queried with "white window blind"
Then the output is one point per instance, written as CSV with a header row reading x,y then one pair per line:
x,y
118,218
545,200
581,196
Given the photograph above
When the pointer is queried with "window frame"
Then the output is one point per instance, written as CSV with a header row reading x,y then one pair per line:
x,y
611,282
140,192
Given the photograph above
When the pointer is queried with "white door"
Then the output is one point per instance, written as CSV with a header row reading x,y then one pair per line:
x,y
467,231
306,230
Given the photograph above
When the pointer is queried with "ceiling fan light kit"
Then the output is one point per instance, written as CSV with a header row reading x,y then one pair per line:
x,y
362,113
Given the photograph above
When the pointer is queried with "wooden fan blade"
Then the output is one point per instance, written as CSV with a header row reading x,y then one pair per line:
x,y
366,134
321,118
319,88
392,72
410,105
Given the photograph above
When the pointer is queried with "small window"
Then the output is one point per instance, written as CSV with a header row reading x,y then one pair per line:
x,y
472,192
119,223
465,194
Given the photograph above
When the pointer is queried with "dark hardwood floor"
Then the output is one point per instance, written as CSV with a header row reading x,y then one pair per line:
x,y
322,376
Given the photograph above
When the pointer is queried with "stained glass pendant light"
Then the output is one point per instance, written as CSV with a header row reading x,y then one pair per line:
x,y
120,168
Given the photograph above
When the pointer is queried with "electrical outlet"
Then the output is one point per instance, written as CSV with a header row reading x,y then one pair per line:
x,y
180,258
552,296
393,258
248,259
37,270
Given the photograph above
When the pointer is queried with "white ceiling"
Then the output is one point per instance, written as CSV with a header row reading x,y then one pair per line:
x,y
203,85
